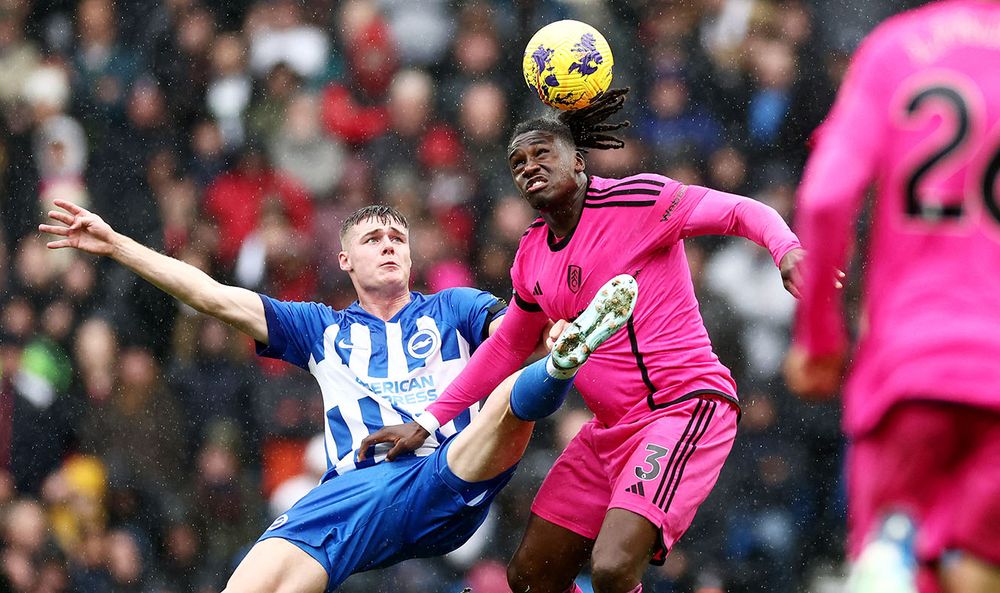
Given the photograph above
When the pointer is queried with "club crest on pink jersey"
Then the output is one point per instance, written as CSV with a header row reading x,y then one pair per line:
x,y
574,277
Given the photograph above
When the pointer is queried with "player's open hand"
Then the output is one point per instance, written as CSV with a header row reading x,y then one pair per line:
x,y
813,378
791,272
404,438
80,228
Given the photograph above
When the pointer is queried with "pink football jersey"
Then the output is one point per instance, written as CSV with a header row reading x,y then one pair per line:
x,y
630,226
919,116
634,226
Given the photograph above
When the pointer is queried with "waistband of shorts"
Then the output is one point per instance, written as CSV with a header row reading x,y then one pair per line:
x,y
700,393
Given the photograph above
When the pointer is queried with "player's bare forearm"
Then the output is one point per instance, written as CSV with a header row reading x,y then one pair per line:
x,y
236,306
83,230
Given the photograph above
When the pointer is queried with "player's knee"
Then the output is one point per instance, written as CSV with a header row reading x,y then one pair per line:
x,y
612,573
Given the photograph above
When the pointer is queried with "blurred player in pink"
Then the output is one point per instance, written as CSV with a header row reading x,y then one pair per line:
x,y
918,116
627,487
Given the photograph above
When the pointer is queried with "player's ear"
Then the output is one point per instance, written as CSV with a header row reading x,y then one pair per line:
x,y
345,261
579,164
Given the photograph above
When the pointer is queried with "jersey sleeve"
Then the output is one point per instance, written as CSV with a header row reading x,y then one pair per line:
x,y
847,151
721,213
293,329
475,309
664,222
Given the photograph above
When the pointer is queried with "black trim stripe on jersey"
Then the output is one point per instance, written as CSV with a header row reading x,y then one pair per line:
x,y
560,244
634,341
533,225
681,444
635,204
685,449
491,313
665,505
640,180
525,305
624,192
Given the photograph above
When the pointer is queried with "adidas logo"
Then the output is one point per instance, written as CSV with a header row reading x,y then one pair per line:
x,y
537,290
636,489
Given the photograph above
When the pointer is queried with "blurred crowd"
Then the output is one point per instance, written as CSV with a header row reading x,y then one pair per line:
x,y
143,447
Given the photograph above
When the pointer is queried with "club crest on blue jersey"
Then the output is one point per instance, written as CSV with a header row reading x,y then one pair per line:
x,y
423,343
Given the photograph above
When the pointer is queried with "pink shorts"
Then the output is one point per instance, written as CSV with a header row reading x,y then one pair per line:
x,y
660,467
939,463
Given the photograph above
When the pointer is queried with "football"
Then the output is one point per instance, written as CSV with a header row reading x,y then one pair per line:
x,y
568,64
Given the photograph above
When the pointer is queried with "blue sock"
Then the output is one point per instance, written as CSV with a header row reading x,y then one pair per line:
x,y
536,393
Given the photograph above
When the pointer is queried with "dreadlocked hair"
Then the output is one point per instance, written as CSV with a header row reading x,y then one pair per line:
x,y
585,128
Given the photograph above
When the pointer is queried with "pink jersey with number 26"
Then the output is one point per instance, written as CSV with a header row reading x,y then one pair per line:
x,y
919,116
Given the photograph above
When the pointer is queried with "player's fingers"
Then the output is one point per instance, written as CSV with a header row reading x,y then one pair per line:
x,y
370,441
69,206
793,287
62,217
58,244
54,230
554,332
397,448
792,284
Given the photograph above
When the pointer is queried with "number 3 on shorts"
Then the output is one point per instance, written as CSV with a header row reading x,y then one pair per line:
x,y
656,452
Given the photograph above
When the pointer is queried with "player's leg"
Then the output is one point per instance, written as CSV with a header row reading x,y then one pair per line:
x,y
493,442
277,566
674,459
497,437
622,551
975,529
896,473
566,516
548,558
544,385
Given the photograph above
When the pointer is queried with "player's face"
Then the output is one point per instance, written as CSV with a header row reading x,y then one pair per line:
x,y
545,169
377,255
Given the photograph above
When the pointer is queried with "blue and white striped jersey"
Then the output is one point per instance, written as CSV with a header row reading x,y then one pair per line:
x,y
375,373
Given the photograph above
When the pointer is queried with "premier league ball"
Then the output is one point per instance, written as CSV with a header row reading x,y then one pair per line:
x,y
568,63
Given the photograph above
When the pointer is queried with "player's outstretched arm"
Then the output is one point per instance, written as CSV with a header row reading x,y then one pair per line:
x,y
86,231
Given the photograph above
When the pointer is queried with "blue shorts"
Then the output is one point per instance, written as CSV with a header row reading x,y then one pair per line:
x,y
384,514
